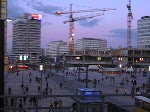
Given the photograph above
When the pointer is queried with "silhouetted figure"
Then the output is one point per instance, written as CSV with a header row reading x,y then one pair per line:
x,y
74,106
9,90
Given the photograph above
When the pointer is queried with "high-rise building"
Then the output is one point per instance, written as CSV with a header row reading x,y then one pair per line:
x,y
90,44
27,34
3,15
56,48
143,41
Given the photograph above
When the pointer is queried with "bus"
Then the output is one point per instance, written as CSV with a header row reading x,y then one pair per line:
x,y
142,104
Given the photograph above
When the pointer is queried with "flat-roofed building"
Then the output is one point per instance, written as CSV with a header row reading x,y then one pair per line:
x,y
143,41
90,44
56,48
26,35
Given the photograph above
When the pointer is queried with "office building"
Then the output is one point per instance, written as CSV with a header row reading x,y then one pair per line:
x,y
27,34
143,41
56,48
90,44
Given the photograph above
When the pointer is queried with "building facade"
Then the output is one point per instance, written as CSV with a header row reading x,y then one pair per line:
x,y
26,35
90,44
56,48
143,41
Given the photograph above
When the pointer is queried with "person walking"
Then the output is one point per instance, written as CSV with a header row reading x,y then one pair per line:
x,y
125,91
11,102
60,104
24,99
27,89
55,104
20,106
74,106
9,90
50,91
117,90
51,108
38,89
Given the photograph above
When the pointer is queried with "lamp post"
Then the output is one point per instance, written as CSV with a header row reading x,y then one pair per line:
x,y
86,76
79,72
41,69
120,59
141,59
78,58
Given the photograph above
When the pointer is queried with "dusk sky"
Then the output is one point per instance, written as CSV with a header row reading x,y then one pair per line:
x,y
112,26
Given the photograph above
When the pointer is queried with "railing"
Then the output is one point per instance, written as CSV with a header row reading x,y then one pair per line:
x,y
102,103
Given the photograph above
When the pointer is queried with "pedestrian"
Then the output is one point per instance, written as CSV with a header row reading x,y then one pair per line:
x,y
29,74
38,89
47,84
51,108
24,99
143,86
65,84
12,102
22,85
60,104
102,78
55,104
20,106
117,90
98,81
61,85
46,79
24,90
74,106
125,91
50,91
9,90
27,89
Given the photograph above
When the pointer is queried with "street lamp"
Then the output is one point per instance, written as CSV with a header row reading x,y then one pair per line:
x,y
141,59
120,65
87,77
23,58
78,58
41,69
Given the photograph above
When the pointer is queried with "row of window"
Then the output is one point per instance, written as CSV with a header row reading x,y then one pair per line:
x,y
140,35
144,31
145,27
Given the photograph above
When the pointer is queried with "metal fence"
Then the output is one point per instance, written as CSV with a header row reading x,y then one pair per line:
x,y
16,104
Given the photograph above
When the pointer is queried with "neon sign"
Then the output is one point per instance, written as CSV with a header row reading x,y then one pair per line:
x,y
37,16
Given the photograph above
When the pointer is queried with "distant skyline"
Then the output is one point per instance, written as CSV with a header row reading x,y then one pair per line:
x,y
111,27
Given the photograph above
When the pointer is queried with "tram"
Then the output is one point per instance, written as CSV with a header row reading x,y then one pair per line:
x,y
142,104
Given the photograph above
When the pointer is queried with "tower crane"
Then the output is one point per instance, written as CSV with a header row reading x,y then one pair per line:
x,y
72,19
129,25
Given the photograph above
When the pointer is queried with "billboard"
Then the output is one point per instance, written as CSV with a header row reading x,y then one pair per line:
x,y
37,16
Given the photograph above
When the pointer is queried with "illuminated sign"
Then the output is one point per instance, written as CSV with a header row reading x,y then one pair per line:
x,y
37,16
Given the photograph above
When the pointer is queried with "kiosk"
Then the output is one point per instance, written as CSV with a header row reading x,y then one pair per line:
x,y
88,99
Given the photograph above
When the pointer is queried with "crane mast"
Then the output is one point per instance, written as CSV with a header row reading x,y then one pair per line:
x,y
71,32
129,25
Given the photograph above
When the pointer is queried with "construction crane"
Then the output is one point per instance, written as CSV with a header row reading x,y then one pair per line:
x,y
71,21
129,25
